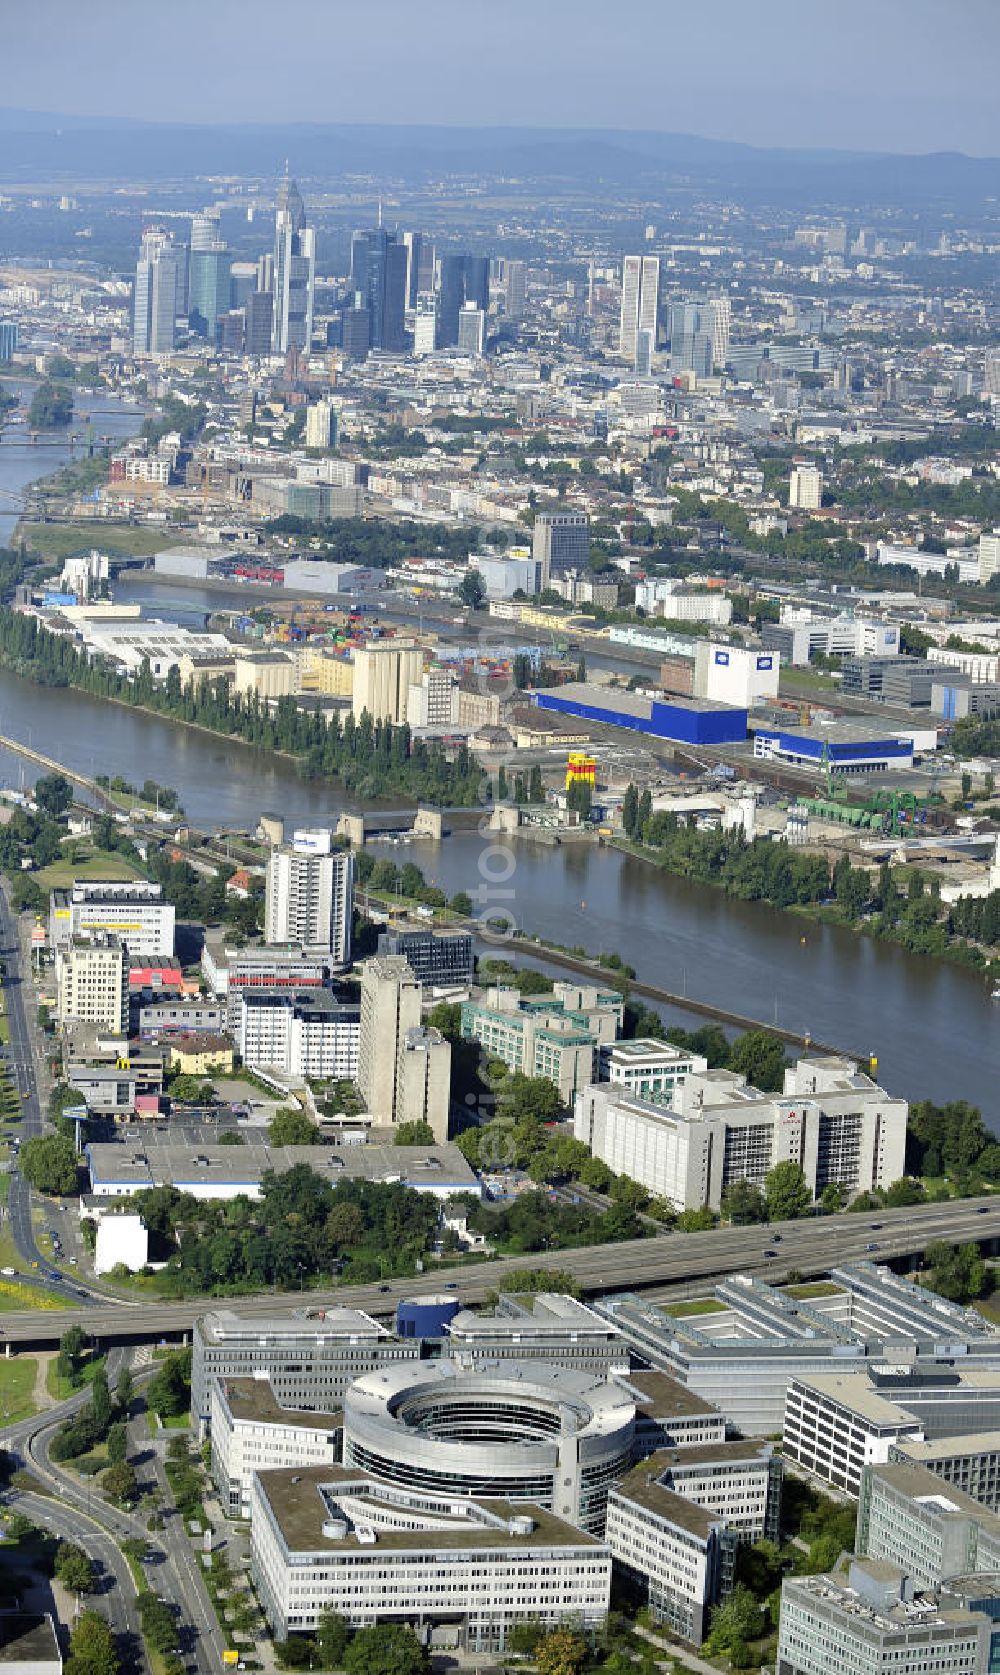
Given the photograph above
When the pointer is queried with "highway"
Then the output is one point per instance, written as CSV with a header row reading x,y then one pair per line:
x,y
808,1248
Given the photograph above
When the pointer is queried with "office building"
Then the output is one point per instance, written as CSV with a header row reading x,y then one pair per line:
x,y
743,1356
989,556
463,279
309,1358
835,1123
640,306
675,1521
805,487
523,1430
299,1035
259,329
231,971
92,983
404,1070
383,674
647,1069
252,1432
308,894
132,909
466,1571
159,295
209,284
8,340
294,273
512,278
321,425
425,323
694,327
933,1531
379,273
507,574
837,1424
546,1327
560,541
439,959
555,1035
433,700
873,1621
419,266
471,329
356,332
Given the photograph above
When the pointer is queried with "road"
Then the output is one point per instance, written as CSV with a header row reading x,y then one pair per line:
x,y
809,1247
117,1599
21,1065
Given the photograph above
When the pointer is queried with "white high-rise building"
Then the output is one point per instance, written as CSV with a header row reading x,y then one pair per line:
x,y
159,294
404,1070
294,273
92,979
425,322
640,304
308,895
718,321
989,555
471,329
805,486
321,425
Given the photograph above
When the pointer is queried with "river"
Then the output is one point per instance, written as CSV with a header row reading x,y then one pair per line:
x,y
22,462
932,1025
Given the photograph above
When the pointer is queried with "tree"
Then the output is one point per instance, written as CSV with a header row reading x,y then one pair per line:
x,y
290,1126
51,407
563,1652
92,1647
124,1391
417,1133
332,1638
957,1271
743,1204
760,1057
74,1570
737,1620
386,1649
53,794
120,1483
118,1442
787,1192
48,1163
169,1393
68,1361
472,590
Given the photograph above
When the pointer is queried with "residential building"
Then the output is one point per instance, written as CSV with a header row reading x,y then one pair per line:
x,y
92,982
805,486
872,1621
309,1358
251,1432
321,425
308,896
383,674
294,273
649,1069
439,959
404,1070
335,1540
299,1035
133,909
560,541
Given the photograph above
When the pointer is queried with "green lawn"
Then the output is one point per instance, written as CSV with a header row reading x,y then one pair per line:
x,y
96,864
820,1288
60,540
17,1382
694,1305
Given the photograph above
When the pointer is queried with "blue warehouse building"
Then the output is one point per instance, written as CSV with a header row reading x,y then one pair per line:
x,y
844,751
679,720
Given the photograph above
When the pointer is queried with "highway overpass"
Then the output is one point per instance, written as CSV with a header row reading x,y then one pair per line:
x,y
679,1262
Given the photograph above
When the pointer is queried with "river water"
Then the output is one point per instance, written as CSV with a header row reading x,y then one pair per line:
x,y
22,462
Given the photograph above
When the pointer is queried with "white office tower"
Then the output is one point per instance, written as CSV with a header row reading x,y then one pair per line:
x,y
640,303
321,425
512,283
404,1070
206,232
92,983
805,486
159,293
308,896
991,373
718,322
471,329
989,555
294,273
425,322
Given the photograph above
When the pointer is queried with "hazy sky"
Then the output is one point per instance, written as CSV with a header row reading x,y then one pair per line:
x,y
900,75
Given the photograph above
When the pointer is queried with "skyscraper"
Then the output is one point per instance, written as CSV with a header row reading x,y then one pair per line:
x,y
379,268
640,304
260,316
294,273
404,1070
209,274
419,266
560,541
205,230
464,279
513,280
159,293
425,319
308,895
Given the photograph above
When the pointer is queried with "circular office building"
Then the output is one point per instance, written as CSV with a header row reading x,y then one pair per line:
x,y
513,1430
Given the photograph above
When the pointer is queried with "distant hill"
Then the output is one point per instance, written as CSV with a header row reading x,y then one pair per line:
x,y
47,145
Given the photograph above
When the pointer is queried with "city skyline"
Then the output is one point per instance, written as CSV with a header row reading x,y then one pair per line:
x,y
759,82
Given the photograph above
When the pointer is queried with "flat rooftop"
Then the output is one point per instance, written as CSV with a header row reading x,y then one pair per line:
x,y
253,1399
642,1487
152,1161
28,1638
854,1392
220,1326
301,1511
661,1397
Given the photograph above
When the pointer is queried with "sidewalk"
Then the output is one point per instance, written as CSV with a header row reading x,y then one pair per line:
x,y
682,1654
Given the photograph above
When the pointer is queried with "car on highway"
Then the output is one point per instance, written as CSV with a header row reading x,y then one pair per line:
x,y
385,1287
8,1273
982,1209
872,1246
776,1237
770,1253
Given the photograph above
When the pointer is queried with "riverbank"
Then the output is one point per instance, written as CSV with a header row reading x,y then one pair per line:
x,y
984,961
